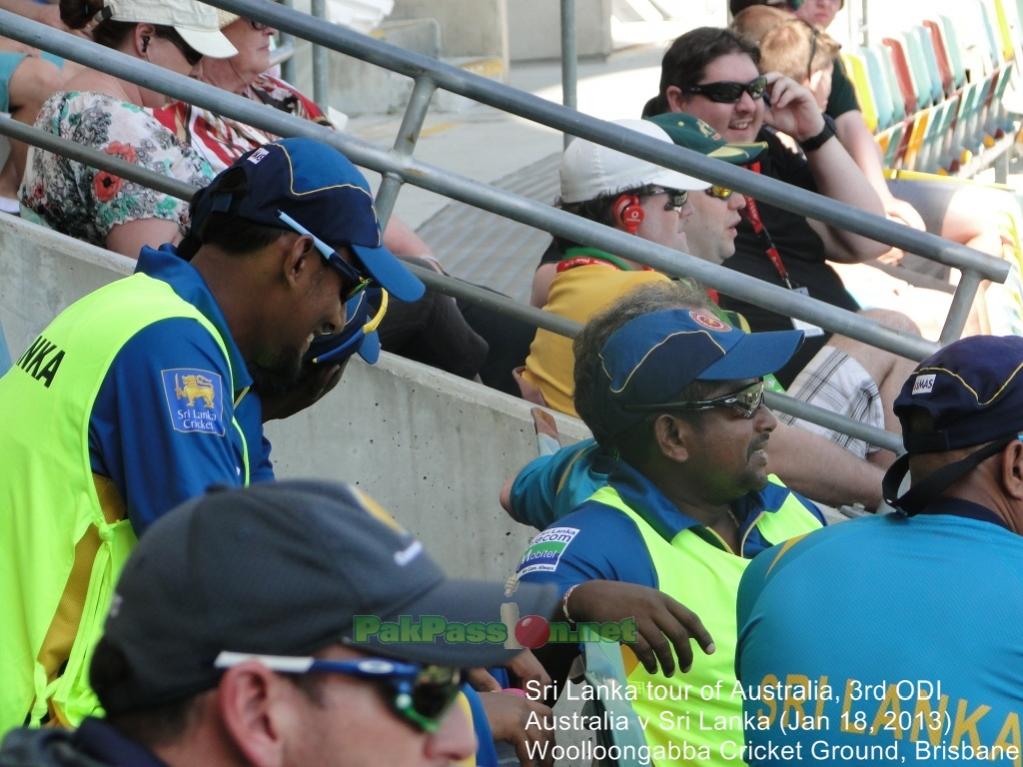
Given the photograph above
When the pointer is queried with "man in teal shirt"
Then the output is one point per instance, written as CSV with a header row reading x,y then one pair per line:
x,y
896,638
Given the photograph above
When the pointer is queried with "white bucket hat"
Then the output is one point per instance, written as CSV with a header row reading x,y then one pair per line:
x,y
590,170
197,23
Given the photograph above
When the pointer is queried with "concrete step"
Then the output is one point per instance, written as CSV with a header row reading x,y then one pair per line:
x,y
357,88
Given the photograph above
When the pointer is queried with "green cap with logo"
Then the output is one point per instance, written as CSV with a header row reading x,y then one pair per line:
x,y
693,133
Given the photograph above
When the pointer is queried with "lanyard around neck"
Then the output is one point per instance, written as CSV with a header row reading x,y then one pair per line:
x,y
752,214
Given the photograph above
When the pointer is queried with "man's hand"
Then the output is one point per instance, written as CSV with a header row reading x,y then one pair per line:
x,y
526,668
661,622
902,212
316,380
482,680
793,109
510,718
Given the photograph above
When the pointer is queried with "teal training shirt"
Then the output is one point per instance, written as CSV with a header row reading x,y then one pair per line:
x,y
886,640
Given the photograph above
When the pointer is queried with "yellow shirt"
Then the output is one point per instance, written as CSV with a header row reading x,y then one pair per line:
x,y
578,294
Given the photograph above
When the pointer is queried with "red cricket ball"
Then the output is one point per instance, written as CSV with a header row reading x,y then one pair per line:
x,y
532,631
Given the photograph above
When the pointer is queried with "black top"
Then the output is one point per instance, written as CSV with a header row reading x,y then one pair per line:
x,y
801,250
94,744
842,98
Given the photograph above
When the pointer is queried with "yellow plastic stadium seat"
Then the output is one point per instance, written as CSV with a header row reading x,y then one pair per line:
x,y
856,67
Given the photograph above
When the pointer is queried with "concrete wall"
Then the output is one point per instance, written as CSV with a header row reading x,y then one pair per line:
x,y
468,27
432,448
534,29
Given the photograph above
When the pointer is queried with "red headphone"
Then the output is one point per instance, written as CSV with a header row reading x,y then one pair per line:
x,y
628,210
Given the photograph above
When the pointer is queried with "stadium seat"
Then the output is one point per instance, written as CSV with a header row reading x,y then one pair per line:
x,y
856,68
922,43
903,74
948,83
879,88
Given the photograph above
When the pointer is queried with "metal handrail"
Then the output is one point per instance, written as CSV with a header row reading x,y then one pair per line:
x,y
469,191
534,108
443,283
569,58
974,265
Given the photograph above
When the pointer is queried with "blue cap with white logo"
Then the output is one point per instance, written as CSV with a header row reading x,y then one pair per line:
x,y
973,391
317,187
651,359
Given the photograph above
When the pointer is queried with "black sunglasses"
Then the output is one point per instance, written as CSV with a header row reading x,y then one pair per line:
x,y
192,56
728,91
676,197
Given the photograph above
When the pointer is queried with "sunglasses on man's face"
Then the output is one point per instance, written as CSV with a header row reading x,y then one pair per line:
x,y
746,402
719,192
421,695
356,281
729,92
676,197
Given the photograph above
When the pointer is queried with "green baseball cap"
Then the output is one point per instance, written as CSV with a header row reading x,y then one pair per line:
x,y
693,133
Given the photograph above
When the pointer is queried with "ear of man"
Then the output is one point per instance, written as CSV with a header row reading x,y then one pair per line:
x,y
299,259
673,436
1012,470
250,701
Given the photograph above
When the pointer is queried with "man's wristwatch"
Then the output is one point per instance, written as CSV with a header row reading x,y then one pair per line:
x,y
816,142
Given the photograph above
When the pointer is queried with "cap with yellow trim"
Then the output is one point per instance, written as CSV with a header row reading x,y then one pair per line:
x,y
693,133
653,358
973,391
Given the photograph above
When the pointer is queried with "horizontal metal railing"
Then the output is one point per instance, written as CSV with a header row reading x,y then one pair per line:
x,y
436,74
398,165
443,283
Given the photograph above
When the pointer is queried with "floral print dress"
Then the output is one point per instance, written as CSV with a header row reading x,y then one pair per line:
x,y
87,203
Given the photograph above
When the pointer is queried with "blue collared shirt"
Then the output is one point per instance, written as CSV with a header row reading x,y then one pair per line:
x,y
153,457
599,542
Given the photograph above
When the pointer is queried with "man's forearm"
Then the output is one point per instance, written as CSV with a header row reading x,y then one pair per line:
x,y
859,143
838,177
821,470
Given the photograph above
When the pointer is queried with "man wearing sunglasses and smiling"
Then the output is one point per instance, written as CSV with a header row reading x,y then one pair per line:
x,y
161,382
712,74
232,641
674,397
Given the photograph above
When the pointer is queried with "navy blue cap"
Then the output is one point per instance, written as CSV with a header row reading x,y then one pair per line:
x,y
651,359
320,189
363,312
286,568
973,391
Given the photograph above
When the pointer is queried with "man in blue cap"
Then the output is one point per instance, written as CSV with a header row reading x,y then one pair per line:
x,y
245,631
676,395
911,641
147,391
